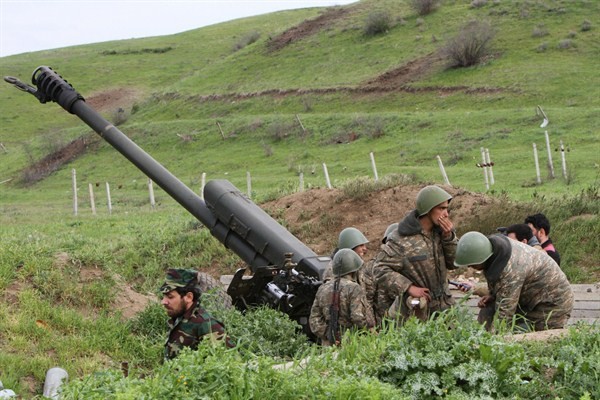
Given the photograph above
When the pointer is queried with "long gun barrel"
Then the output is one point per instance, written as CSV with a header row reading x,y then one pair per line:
x,y
232,218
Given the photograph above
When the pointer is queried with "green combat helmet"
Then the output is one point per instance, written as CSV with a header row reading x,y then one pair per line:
x,y
345,262
389,231
350,238
429,197
472,249
179,278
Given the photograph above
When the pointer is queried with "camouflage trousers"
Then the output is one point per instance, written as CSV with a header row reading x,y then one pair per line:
x,y
535,320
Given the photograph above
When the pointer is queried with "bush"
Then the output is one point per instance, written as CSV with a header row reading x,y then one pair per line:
x,y
470,45
424,7
245,40
539,31
586,26
478,3
378,22
565,44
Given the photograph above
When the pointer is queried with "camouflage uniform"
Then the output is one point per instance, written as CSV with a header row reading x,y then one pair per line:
x,y
527,282
411,256
366,278
354,310
190,329
196,324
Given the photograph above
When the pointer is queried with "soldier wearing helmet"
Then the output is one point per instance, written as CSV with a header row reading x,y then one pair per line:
x,y
349,238
189,323
352,238
340,303
522,282
414,261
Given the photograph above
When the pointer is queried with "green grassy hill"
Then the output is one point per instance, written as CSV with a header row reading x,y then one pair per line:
x,y
276,95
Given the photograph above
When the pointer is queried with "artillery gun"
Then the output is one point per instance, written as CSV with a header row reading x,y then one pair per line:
x,y
283,272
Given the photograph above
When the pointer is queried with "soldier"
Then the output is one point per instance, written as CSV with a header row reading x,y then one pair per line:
x,y
340,303
349,238
412,266
522,281
189,323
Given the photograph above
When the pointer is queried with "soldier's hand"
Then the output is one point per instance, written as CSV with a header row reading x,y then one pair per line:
x,y
416,291
447,227
484,301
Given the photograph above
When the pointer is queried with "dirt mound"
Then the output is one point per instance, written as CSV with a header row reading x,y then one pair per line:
x,y
117,100
412,71
52,162
113,99
306,28
317,216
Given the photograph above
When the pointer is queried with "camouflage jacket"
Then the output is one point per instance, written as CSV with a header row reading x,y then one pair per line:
x,y
411,256
527,282
354,310
190,329
366,278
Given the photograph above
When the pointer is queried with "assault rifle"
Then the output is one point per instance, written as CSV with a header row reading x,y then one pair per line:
x,y
333,329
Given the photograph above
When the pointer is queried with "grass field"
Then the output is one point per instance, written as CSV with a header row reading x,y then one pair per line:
x,y
332,96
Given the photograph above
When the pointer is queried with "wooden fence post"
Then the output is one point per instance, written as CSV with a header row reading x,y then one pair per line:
x,y
151,192
326,176
550,164
74,185
564,161
537,165
442,170
488,161
202,184
221,130
300,122
92,200
485,173
301,184
108,200
374,166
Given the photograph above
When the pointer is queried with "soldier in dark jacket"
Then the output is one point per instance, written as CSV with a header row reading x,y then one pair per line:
x,y
189,323
540,226
522,281
412,266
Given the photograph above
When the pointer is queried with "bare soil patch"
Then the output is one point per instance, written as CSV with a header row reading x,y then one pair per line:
x,y
113,99
307,28
109,100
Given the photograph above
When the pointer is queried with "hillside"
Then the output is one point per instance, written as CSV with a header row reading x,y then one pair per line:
x,y
314,88
277,96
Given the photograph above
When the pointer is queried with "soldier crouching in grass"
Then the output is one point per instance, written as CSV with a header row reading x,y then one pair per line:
x,y
522,282
189,323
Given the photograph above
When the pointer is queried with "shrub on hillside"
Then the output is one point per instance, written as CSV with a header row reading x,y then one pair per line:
x,y
586,26
424,7
539,31
377,23
470,45
246,40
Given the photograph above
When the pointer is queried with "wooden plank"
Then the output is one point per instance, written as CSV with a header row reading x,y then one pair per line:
x,y
589,288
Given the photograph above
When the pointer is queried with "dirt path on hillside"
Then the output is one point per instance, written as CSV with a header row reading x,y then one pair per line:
x,y
307,28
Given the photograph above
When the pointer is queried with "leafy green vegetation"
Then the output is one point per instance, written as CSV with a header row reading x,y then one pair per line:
x,y
332,97
417,360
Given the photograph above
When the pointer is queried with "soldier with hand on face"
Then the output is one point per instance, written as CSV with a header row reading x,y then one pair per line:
x,y
412,266
340,303
522,281
189,323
